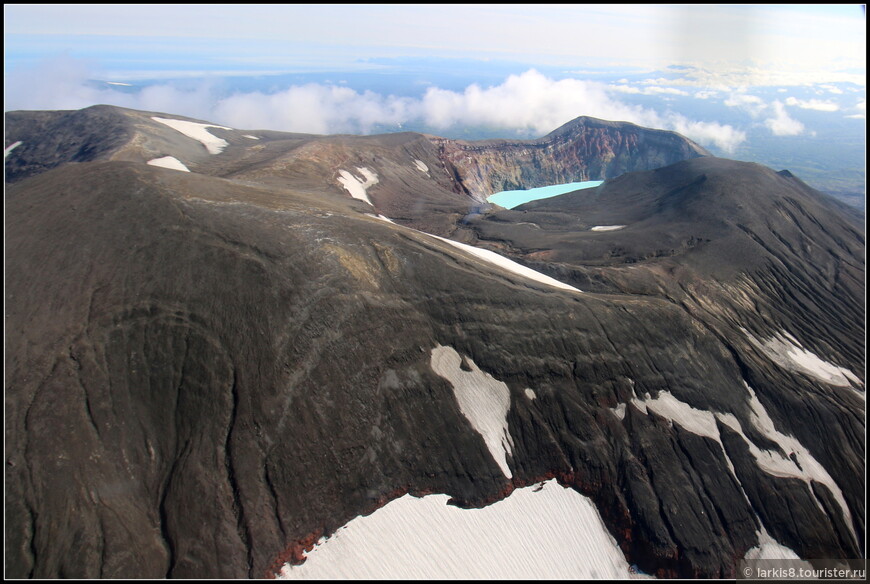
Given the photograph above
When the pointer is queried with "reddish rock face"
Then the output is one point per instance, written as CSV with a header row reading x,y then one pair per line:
x,y
294,554
584,149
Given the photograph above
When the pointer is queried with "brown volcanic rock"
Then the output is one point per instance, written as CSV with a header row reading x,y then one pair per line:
x,y
583,149
459,175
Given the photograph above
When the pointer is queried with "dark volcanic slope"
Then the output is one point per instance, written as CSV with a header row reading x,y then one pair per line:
x,y
700,225
62,137
206,370
755,255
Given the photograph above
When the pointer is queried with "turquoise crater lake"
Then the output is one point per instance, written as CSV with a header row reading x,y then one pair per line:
x,y
511,199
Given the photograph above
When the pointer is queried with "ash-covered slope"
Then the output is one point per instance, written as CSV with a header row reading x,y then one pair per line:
x,y
205,374
682,231
49,139
772,267
423,181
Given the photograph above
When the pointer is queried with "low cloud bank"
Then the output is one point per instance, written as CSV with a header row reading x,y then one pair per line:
x,y
777,119
529,103
813,104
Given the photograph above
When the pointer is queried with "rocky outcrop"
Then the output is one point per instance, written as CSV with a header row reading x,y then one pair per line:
x,y
581,150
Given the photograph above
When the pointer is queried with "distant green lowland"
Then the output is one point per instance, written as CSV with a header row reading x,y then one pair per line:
x,y
511,199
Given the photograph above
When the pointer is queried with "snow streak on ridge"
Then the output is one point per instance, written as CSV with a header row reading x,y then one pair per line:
x,y
198,132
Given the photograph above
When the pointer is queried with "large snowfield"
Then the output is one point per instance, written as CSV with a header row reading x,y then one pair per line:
x,y
509,265
10,148
787,352
543,531
486,255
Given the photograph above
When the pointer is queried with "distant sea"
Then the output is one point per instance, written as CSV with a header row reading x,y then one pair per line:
x,y
511,199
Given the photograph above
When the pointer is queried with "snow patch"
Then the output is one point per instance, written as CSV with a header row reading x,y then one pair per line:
x,y
530,393
538,532
784,350
810,469
356,187
619,411
509,265
703,423
483,400
249,136
607,227
381,217
820,369
770,549
10,148
199,132
700,422
421,166
169,162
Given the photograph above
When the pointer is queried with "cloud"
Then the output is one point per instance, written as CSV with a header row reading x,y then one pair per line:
x,y
752,104
725,137
705,94
813,104
782,124
316,109
59,83
777,120
63,83
652,90
726,76
529,104
861,106
534,102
